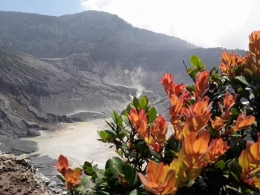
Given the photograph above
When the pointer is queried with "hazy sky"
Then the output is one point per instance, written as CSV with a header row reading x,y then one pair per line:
x,y
207,23
46,7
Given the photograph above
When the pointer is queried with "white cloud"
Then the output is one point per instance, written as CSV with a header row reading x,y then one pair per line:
x,y
207,23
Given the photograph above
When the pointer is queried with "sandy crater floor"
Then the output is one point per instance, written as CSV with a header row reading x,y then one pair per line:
x,y
78,141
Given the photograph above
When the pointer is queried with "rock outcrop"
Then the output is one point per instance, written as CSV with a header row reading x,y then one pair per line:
x,y
18,176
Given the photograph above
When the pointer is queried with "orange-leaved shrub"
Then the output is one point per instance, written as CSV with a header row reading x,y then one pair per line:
x,y
214,147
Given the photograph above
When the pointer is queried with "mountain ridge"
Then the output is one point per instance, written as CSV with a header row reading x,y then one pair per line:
x,y
87,29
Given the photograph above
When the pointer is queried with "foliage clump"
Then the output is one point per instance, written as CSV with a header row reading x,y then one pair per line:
x,y
214,147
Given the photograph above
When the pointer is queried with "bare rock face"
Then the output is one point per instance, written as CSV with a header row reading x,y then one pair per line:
x,y
15,146
35,92
17,176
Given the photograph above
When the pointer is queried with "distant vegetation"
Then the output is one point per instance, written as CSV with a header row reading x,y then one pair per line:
x,y
83,32
104,36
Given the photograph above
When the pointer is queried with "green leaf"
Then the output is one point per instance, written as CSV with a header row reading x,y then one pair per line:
x,y
196,62
127,110
171,150
80,188
87,168
119,121
173,144
122,134
190,88
135,102
114,171
214,70
143,102
87,164
242,79
112,125
95,167
88,171
120,153
152,114
235,176
110,133
114,116
248,192
135,181
235,112
217,79
220,165
114,161
193,73
128,172
100,173
126,120
248,71
102,134
85,180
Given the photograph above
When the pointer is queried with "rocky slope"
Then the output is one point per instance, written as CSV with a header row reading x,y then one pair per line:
x,y
18,176
36,93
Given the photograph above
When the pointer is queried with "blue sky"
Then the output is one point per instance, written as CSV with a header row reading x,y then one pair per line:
x,y
206,23
45,7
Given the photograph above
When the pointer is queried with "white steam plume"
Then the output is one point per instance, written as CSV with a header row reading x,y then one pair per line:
x,y
136,77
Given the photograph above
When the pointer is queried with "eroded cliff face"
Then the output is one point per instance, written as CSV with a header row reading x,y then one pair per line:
x,y
22,84
36,93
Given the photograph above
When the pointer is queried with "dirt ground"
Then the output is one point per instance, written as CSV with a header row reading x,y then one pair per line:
x,y
17,176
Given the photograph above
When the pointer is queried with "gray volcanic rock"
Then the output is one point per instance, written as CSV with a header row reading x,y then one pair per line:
x,y
45,165
36,93
15,146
